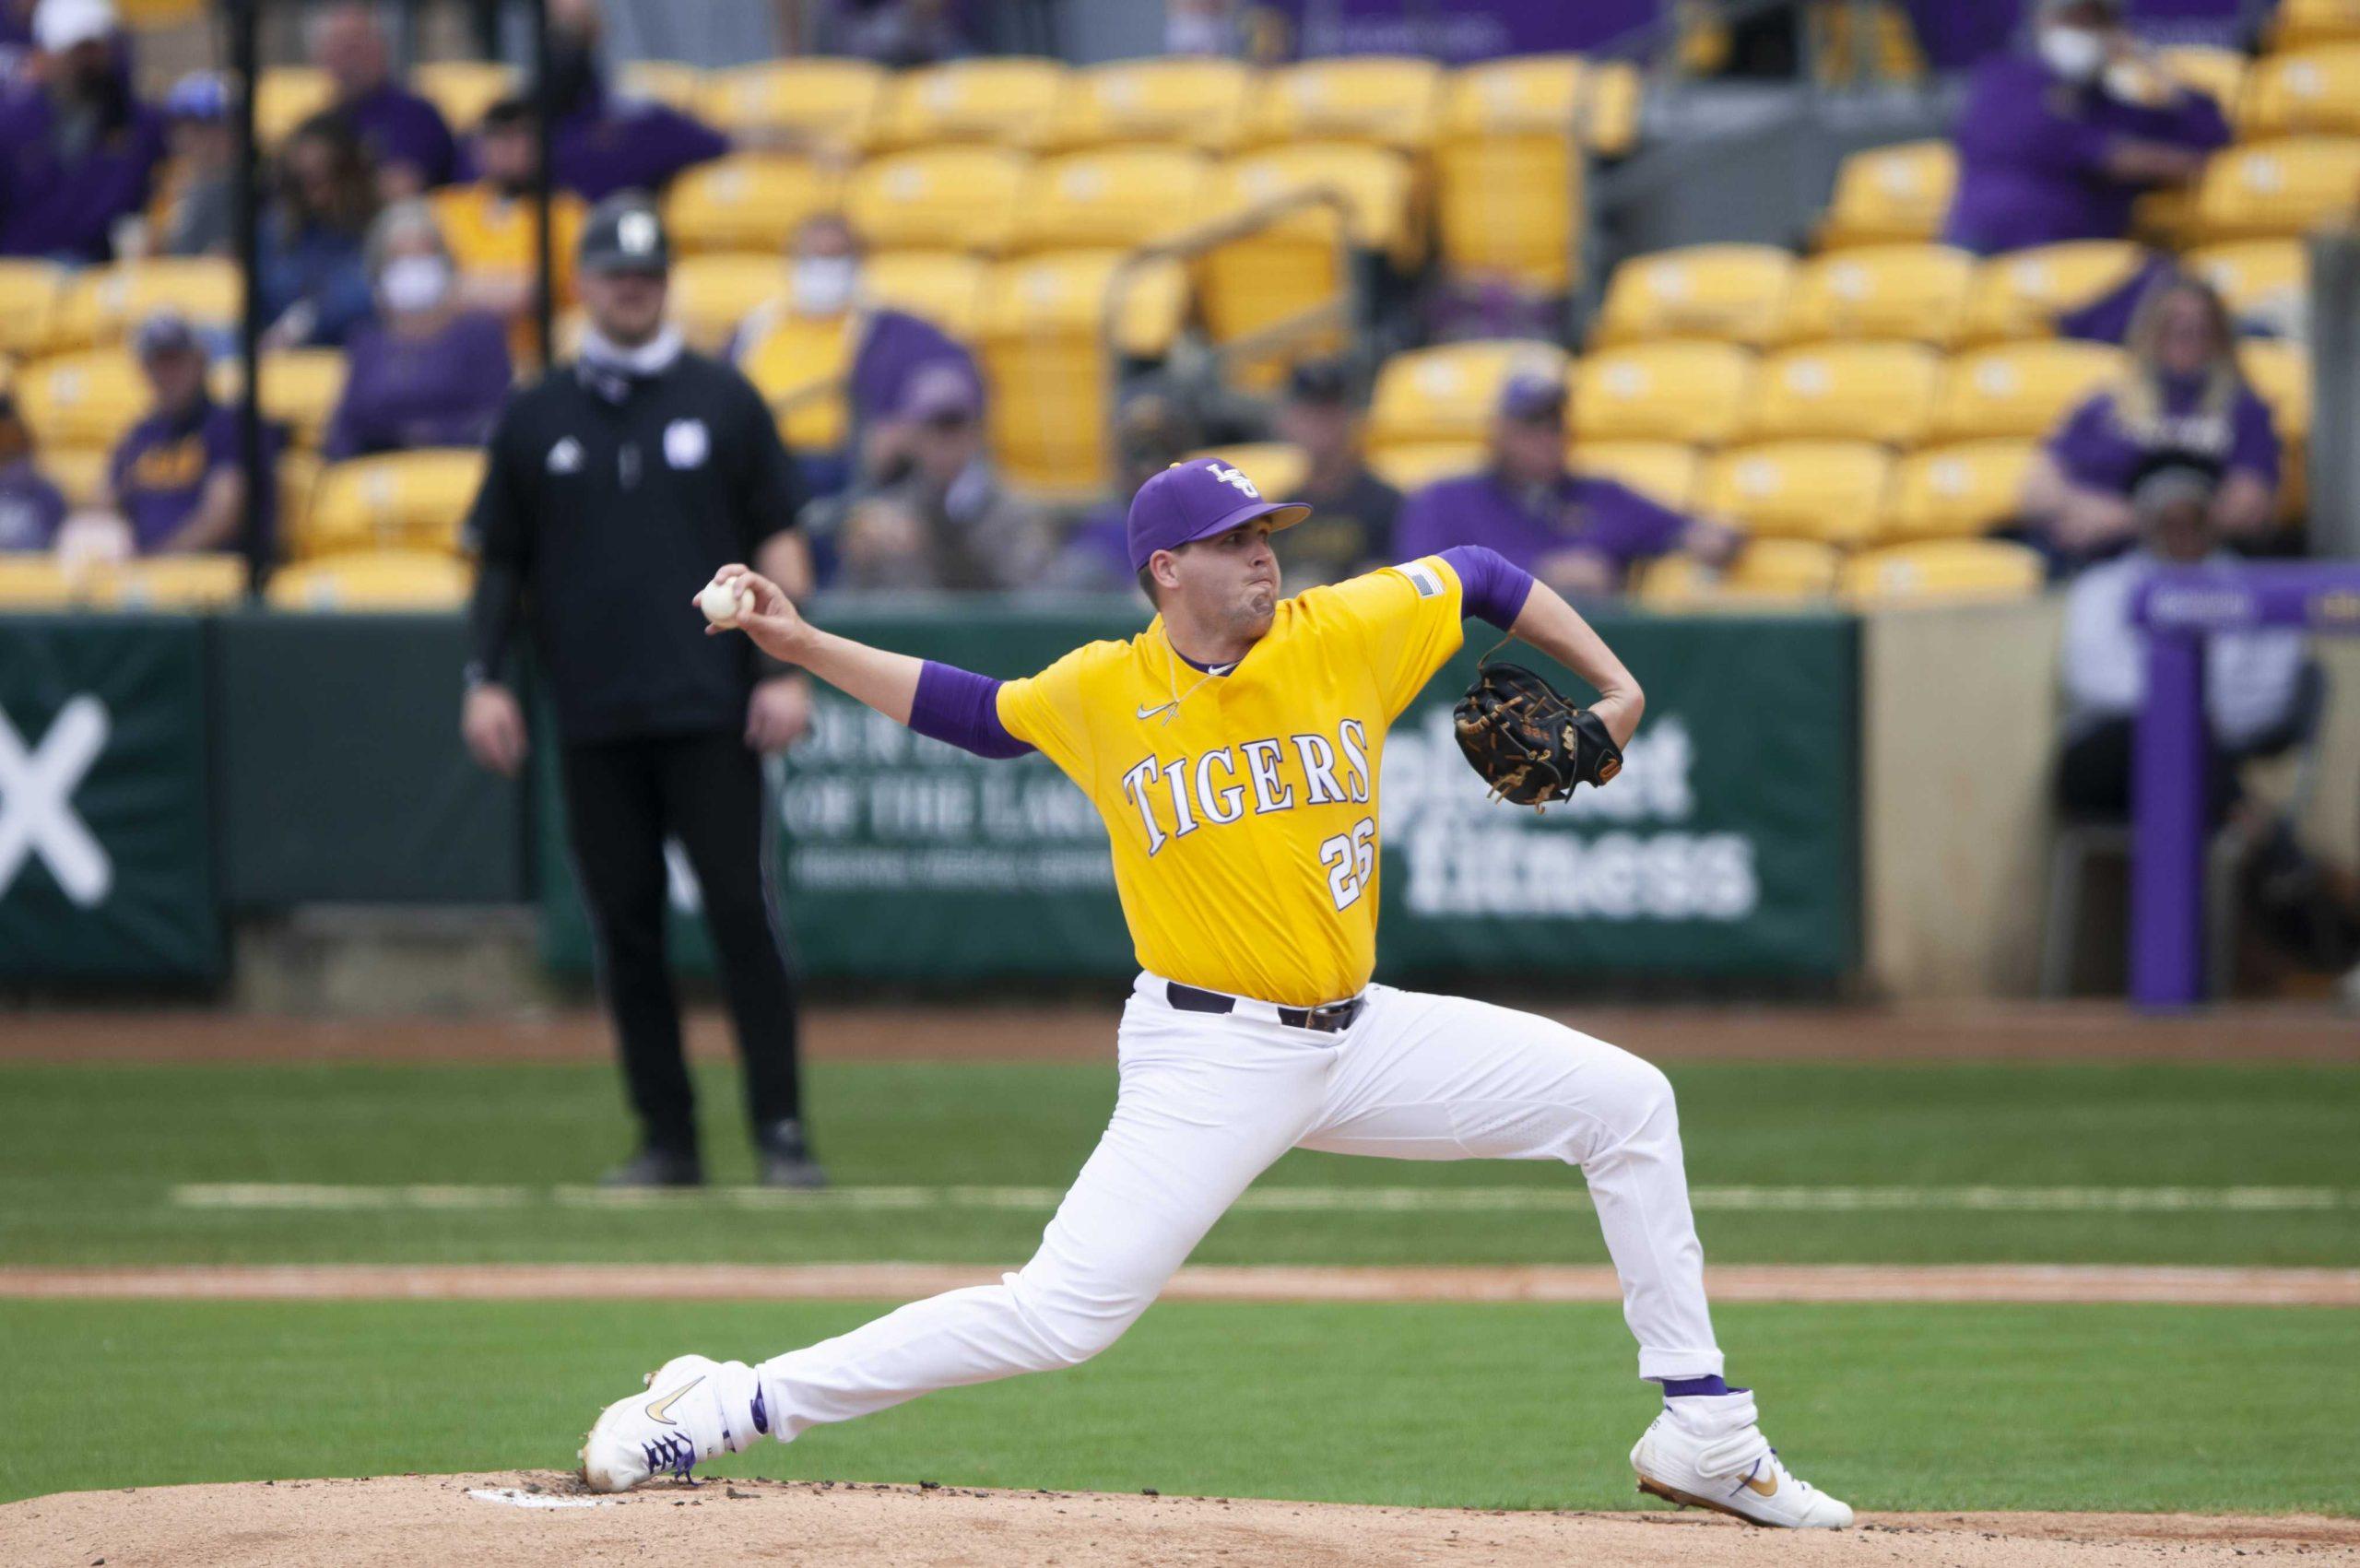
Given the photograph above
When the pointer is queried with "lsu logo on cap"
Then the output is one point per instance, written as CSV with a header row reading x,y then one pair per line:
x,y
1229,476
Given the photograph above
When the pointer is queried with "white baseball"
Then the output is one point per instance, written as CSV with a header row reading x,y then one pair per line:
x,y
723,603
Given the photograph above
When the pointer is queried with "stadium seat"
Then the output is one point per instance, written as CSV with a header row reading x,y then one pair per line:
x,y
2315,90
1508,171
205,580
747,201
1123,198
1943,572
32,580
286,96
1663,469
387,581
2019,389
2265,283
1890,195
103,304
1278,468
408,501
2284,187
2021,294
1596,100
1879,392
300,388
826,104
462,90
1378,189
941,287
1007,101
1918,293
798,364
1692,393
29,294
1197,103
1388,99
83,399
2301,23
713,294
1413,465
1730,293
1045,352
1450,392
78,472
1765,572
945,198
1962,491
2219,74
1829,490
673,83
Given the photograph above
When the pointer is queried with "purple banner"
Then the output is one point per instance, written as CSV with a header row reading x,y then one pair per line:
x,y
1458,30
1957,33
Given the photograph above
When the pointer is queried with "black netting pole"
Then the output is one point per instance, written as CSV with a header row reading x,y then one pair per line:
x,y
245,23
544,116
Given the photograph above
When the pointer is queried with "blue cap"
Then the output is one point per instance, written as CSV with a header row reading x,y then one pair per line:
x,y
1196,499
1533,396
200,95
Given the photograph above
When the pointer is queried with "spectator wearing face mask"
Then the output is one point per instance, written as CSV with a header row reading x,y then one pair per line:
x,y
199,210
80,152
602,144
406,140
315,282
426,372
2056,145
492,230
31,507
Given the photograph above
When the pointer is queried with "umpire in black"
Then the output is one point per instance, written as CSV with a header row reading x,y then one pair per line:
x,y
617,486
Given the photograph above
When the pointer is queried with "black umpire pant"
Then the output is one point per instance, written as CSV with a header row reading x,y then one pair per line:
x,y
623,798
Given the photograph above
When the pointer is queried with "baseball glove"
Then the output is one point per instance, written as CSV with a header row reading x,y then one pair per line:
x,y
1530,745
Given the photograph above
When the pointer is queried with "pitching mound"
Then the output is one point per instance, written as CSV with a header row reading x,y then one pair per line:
x,y
502,1521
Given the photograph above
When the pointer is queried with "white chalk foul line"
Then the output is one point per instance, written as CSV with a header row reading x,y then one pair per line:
x,y
294,1196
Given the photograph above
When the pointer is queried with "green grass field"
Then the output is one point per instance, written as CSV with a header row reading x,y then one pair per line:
x,y
1897,1406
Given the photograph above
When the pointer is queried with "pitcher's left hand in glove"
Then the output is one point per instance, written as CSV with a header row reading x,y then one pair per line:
x,y
1531,745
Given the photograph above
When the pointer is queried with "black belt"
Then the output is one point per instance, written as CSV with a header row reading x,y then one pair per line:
x,y
1333,1018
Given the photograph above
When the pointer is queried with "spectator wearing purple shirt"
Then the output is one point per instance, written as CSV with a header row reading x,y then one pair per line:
x,y
425,372
2185,394
175,477
30,508
600,144
1578,534
2057,145
404,134
76,157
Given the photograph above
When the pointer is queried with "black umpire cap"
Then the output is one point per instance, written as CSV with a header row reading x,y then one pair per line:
x,y
625,234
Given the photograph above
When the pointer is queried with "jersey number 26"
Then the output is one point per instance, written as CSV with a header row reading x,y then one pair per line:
x,y
1351,859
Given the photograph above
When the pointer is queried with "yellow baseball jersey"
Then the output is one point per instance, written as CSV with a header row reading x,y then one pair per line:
x,y
1243,816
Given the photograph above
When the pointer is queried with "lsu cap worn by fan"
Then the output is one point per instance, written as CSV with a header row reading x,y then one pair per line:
x,y
1196,499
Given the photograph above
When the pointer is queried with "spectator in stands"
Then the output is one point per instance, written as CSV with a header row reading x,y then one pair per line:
x,y
30,508
200,217
81,153
175,477
900,33
1152,433
404,134
493,230
2253,680
1353,511
2185,393
2058,144
948,524
16,48
425,372
1578,534
602,144
314,279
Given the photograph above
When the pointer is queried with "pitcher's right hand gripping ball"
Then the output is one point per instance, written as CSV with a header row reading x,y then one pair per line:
x,y
1531,745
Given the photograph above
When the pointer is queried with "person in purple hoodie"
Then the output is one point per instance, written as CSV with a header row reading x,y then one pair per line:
x,y
1578,534
601,144
403,132
425,372
176,476
76,156
2057,145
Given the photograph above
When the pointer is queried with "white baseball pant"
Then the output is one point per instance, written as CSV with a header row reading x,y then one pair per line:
x,y
1209,1101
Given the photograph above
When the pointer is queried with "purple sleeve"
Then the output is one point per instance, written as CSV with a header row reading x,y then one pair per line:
x,y
962,708
2079,444
2009,120
2253,446
1491,587
1627,526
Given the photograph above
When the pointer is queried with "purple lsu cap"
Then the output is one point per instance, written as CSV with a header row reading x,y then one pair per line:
x,y
1196,499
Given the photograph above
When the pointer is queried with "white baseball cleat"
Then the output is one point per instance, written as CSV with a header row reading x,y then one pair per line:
x,y
681,1419
1706,1451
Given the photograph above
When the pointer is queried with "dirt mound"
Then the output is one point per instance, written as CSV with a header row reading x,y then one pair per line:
x,y
504,1521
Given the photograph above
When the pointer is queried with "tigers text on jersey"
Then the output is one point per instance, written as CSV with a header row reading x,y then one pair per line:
x,y
1243,814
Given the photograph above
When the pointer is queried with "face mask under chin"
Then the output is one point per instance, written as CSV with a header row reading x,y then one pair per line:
x,y
410,284
823,286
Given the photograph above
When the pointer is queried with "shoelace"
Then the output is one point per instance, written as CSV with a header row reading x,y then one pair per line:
x,y
675,1453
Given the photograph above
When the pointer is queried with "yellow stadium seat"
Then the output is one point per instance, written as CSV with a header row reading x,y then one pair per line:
x,y
286,96
2284,187
1045,350
462,90
825,103
2020,389
1596,101
2300,23
2264,282
300,388
748,201
1731,293
28,295
713,294
1378,190
1663,469
78,472
798,364
171,582
1389,99
32,580
1451,393
674,83
1766,571
1692,393
941,287
2022,293
1124,197
2315,90
382,581
84,399
1960,491
408,501
1879,392
1943,572
1831,491
1508,170
2219,74
1890,195
1010,100
1413,465
103,304
1197,103
1278,468
1917,292
946,198
299,477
